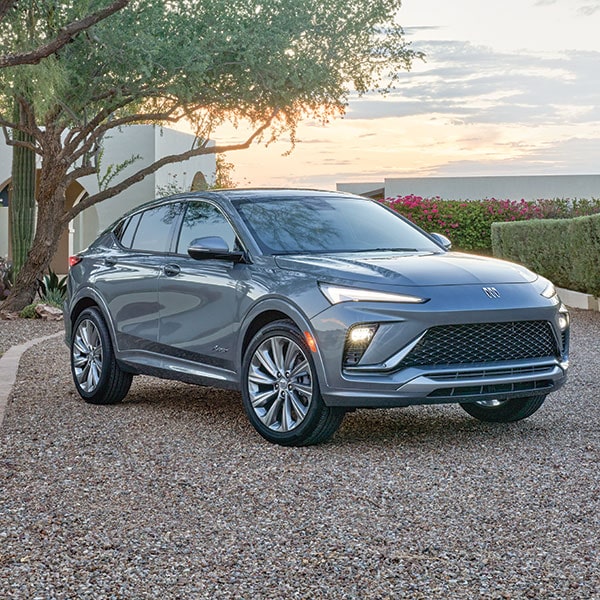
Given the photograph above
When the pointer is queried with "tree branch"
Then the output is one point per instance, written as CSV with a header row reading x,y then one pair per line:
x,y
64,36
166,160
96,132
5,6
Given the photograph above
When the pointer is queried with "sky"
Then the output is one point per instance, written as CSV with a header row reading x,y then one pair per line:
x,y
510,87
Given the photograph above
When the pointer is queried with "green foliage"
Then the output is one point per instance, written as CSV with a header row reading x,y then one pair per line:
x,y
54,297
468,223
29,312
566,251
210,61
6,277
224,174
52,289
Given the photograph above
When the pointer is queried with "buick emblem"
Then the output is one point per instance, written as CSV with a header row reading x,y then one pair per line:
x,y
491,292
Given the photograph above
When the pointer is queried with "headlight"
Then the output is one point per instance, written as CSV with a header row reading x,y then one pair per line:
x,y
336,294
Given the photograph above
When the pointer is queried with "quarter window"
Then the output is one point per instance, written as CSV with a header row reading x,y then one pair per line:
x,y
127,230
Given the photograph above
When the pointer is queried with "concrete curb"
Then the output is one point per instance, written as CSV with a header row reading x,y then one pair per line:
x,y
9,364
578,299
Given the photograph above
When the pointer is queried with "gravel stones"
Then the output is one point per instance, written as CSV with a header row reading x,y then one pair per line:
x,y
17,331
172,494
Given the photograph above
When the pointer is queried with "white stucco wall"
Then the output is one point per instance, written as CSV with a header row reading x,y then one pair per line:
x,y
5,163
475,188
149,143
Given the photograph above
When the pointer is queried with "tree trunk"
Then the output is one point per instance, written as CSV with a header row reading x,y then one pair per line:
x,y
51,208
22,200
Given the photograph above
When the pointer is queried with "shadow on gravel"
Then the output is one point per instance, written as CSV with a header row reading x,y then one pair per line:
x,y
203,408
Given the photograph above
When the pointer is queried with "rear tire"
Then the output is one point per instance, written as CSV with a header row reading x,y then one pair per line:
x,y
280,389
503,411
96,374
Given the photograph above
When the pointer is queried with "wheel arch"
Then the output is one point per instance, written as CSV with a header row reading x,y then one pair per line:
x,y
89,299
267,312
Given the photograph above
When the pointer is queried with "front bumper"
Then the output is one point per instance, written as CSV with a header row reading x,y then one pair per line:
x,y
454,383
383,378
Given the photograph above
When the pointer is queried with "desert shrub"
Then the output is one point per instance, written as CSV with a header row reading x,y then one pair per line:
x,y
53,290
29,312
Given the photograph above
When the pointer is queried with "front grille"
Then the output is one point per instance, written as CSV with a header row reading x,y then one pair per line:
x,y
483,342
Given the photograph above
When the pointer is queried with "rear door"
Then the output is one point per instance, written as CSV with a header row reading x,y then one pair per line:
x,y
130,282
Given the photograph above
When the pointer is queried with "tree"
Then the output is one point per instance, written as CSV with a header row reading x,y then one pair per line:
x,y
25,32
268,62
224,174
64,36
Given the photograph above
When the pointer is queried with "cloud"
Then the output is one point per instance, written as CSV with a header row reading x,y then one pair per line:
x,y
589,9
571,156
585,8
476,84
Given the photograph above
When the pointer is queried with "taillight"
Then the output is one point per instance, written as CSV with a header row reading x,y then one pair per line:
x,y
73,260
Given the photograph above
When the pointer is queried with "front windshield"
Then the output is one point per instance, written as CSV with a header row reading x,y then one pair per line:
x,y
323,224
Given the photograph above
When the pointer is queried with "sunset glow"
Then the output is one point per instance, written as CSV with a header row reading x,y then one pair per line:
x,y
504,92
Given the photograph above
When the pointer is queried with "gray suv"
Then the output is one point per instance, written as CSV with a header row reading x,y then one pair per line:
x,y
310,303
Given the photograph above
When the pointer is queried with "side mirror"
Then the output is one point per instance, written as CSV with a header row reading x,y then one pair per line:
x,y
213,246
442,240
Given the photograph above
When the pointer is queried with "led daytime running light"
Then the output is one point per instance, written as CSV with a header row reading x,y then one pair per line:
x,y
336,294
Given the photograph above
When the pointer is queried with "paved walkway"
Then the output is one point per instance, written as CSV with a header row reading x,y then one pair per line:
x,y
9,364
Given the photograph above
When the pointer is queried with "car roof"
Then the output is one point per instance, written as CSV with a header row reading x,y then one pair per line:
x,y
245,194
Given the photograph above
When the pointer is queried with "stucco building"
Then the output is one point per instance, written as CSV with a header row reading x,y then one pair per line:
x,y
146,141
508,187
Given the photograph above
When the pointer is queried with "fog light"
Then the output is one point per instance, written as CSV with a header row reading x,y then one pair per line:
x,y
358,339
564,319
360,335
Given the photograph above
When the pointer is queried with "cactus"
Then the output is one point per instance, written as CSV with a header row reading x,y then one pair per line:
x,y
22,200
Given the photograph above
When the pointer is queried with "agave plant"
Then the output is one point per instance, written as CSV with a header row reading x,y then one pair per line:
x,y
53,289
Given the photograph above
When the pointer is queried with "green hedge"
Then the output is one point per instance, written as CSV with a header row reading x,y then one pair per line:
x,y
566,251
468,223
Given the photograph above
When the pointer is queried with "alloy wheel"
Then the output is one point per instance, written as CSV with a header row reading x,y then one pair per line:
x,y
280,384
87,356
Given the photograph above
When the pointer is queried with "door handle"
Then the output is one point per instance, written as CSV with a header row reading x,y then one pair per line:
x,y
171,270
110,261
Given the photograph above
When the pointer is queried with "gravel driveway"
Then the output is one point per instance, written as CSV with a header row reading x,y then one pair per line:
x,y
173,495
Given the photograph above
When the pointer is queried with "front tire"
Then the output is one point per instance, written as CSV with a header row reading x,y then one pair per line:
x,y
96,374
503,411
280,389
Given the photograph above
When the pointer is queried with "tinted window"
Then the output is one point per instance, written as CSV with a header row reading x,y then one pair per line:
x,y
127,230
155,227
328,224
202,219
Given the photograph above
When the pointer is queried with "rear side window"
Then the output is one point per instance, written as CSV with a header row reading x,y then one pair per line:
x,y
154,229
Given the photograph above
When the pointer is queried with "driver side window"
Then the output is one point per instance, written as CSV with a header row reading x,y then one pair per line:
x,y
202,219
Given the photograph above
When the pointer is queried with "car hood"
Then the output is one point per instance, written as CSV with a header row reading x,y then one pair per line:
x,y
451,268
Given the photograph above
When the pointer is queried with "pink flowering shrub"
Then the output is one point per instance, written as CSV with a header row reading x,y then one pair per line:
x,y
468,223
